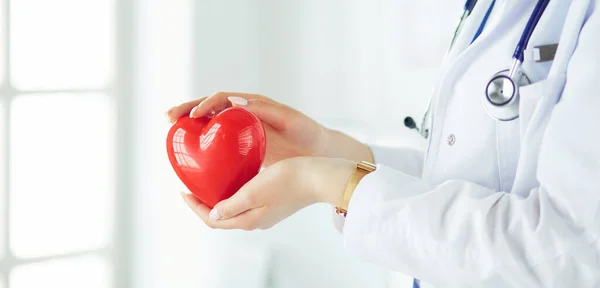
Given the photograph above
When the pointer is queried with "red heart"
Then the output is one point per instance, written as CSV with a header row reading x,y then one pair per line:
x,y
215,157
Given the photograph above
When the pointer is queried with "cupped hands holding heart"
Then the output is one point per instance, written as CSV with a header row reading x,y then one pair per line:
x,y
304,163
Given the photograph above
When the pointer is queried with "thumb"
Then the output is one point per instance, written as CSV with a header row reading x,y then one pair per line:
x,y
269,112
237,204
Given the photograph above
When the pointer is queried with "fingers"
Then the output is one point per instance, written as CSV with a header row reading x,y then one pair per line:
x,y
198,207
269,112
178,111
237,204
248,220
219,102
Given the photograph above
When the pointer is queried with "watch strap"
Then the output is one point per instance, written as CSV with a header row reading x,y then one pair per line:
x,y
362,169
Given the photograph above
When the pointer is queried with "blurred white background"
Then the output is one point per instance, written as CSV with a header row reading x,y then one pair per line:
x,y
88,198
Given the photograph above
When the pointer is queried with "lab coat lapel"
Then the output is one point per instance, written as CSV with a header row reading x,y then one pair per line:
x,y
551,92
469,29
454,68
461,44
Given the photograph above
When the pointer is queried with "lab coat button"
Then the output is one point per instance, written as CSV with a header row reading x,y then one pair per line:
x,y
451,139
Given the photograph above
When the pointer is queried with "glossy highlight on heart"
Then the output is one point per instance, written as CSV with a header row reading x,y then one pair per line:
x,y
215,157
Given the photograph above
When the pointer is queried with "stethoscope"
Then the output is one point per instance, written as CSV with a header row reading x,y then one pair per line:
x,y
501,95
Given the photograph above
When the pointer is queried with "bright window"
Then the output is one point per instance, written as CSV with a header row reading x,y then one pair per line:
x,y
61,44
61,173
58,147
3,43
3,190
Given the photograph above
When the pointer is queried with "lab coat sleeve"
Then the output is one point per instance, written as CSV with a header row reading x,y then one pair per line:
x,y
406,159
460,234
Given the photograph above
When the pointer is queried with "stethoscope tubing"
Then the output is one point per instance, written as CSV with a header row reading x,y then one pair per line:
x,y
537,13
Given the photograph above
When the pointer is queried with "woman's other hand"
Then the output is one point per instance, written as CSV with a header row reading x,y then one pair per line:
x,y
278,192
289,132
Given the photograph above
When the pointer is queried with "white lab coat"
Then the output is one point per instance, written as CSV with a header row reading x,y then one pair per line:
x,y
508,204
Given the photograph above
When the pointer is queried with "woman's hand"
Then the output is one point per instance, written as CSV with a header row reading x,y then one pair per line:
x,y
289,132
278,192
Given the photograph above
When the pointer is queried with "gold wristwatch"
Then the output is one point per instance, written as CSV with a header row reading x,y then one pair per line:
x,y
362,169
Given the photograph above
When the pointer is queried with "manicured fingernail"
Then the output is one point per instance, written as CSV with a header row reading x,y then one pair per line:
x,y
211,114
184,196
193,111
214,214
238,100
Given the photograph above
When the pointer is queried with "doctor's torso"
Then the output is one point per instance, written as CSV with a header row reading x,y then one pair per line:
x,y
498,204
466,143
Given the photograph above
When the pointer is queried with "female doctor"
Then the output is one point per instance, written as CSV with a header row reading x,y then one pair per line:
x,y
507,193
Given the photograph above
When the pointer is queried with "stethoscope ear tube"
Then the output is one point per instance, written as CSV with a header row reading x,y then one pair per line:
x,y
410,123
537,13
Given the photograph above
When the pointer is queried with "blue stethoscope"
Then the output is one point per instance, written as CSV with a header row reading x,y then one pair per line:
x,y
501,95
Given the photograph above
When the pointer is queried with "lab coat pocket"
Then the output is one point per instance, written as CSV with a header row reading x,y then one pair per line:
x,y
530,96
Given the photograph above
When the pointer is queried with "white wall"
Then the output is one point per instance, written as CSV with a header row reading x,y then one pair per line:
x,y
341,58
166,234
356,65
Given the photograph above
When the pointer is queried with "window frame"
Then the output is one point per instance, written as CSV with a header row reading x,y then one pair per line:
x,y
118,252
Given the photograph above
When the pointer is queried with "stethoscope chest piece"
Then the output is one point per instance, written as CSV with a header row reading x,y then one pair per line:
x,y
501,98
501,95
